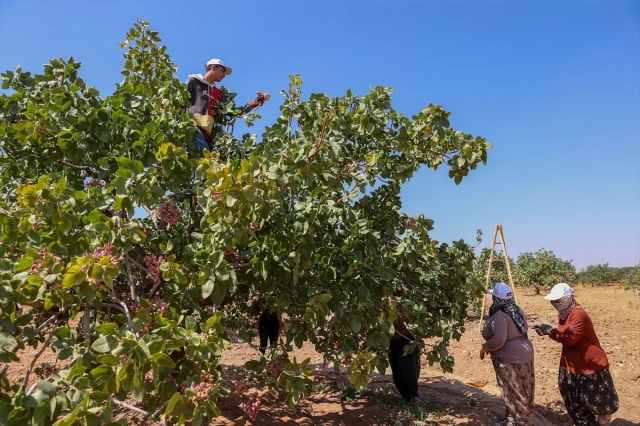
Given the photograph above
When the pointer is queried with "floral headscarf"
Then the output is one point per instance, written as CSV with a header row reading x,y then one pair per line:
x,y
509,307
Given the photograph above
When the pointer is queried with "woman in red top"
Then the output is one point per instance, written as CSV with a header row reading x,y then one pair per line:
x,y
584,380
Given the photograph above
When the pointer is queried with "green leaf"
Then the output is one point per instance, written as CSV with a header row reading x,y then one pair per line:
x,y
207,288
70,419
179,276
137,391
219,292
145,349
120,185
7,341
61,185
41,413
107,328
108,360
249,192
65,353
356,323
62,332
358,380
322,298
23,264
73,279
175,407
48,388
163,360
231,200
105,344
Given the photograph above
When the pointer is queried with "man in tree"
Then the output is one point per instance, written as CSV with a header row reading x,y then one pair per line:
x,y
205,96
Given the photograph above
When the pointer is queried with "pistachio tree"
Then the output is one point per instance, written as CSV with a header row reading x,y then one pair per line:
x,y
110,220
543,269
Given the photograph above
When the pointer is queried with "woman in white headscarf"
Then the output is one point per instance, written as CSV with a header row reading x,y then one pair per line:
x,y
584,380
511,352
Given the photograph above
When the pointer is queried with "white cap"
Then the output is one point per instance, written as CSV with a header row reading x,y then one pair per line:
x,y
501,291
219,62
558,291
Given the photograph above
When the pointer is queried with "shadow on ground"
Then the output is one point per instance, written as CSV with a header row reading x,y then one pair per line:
x,y
444,401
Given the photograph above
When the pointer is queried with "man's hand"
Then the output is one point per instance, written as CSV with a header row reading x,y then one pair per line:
x,y
262,97
543,329
483,352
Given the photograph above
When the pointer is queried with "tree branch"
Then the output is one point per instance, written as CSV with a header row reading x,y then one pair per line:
x,y
444,155
161,409
319,140
91,171
155,287
114,306
37,331
139,266
126,312
136,409
87,321
35,358
154,217
132,285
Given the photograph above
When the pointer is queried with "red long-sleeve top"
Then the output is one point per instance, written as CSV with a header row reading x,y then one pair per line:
x,y
581,350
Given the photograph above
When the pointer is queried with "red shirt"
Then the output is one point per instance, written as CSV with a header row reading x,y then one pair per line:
x,y
215,96
581,350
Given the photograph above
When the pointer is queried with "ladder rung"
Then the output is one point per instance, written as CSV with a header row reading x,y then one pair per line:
x,y
499,275
497,242
500,259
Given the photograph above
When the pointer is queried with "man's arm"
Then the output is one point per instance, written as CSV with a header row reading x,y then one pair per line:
x,y
260,99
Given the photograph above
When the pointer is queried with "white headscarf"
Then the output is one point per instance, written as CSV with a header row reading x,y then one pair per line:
x,y
564,306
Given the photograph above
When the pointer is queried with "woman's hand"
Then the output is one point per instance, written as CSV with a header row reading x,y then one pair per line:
x,y
483,352
543,329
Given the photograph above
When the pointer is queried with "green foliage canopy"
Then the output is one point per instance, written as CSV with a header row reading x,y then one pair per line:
x,y
306,221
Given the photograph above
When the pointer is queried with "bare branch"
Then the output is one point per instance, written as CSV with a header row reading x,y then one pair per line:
x,y
36,356
443,154
155,287
91,171
114,306
126,312
32,388
49,320
154,217
23,339
319,140
87,322
161,409
139,266
136,409
132,284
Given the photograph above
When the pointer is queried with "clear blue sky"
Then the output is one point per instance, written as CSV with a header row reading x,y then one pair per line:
x,y
554,85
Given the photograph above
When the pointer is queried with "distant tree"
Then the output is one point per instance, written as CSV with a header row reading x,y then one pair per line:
x,y
602,274
499,268
596,275
542,270
631,278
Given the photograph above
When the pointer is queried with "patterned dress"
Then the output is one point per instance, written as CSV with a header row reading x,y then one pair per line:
x,y
584,380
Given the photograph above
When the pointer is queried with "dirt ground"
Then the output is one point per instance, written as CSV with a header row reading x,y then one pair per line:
x,y
449,399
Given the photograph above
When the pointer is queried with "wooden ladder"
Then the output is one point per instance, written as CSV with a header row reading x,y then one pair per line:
x,y
497,233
